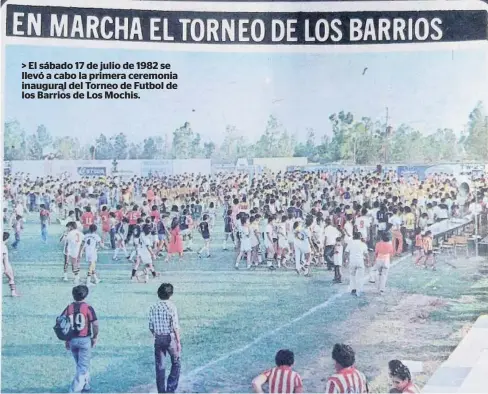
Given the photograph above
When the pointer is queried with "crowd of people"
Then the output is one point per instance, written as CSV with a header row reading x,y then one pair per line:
x,y
290,220
293,220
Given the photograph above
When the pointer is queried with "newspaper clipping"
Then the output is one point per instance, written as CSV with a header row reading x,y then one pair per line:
x,y
236,196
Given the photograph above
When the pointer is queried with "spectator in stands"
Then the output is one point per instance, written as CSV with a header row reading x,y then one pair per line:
x,y
401,378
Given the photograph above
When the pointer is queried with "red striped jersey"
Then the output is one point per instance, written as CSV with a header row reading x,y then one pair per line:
x,y
283,380
348,380
411,389
81,316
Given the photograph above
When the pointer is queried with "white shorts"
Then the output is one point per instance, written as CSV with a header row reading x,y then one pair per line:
x,y
185,232
246,246
73,253
119,237
91,257
146,259
283,243
302,246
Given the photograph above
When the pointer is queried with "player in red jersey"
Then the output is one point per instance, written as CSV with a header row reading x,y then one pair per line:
x,y
282,378
347,378
87,219
133,216
105,217
119,214
155,214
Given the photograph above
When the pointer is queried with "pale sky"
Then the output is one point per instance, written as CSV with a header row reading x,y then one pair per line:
x,y
428,90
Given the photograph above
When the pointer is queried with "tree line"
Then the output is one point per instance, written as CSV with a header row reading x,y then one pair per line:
x,y
361,141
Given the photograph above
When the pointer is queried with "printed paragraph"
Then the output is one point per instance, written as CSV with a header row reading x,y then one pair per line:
x,y
95,81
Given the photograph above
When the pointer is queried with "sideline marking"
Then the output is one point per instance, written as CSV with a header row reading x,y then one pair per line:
x,y
311,311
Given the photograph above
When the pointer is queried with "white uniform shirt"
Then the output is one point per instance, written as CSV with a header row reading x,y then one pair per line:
x,y
73,241
91,243
356,249
144,243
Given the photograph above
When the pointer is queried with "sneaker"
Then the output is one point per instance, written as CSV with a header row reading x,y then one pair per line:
x,y
65,277
199,256
236,266
354,292
15,294
272,268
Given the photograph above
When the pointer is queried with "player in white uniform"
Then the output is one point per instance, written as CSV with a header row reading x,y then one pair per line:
x,y
302,248
283,240
73,248
92,242
145,255
268,243
245,237
7,268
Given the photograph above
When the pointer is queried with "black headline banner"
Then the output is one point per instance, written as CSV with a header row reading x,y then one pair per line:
x,y
270,28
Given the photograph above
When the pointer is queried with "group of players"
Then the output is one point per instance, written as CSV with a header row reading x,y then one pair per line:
x,y
274,219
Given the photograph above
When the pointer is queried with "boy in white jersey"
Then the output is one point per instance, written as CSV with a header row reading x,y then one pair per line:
x,y
92,242
283,240
7,268
73,247
363,224
145,255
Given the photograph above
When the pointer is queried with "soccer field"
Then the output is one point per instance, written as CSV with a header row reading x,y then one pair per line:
x,y
232,322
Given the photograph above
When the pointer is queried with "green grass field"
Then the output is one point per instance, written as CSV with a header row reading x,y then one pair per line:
x,y
232,322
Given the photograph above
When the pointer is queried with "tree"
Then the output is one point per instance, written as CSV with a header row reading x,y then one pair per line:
x,y
275,142
150,149
476,142
340,128
208,149
195,148
182,142
307,149
67,148
119,146
104,148
43,139
234,145
135,151
13,141
33,148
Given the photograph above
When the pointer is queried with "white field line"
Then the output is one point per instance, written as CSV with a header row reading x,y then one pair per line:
x,y
325,304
